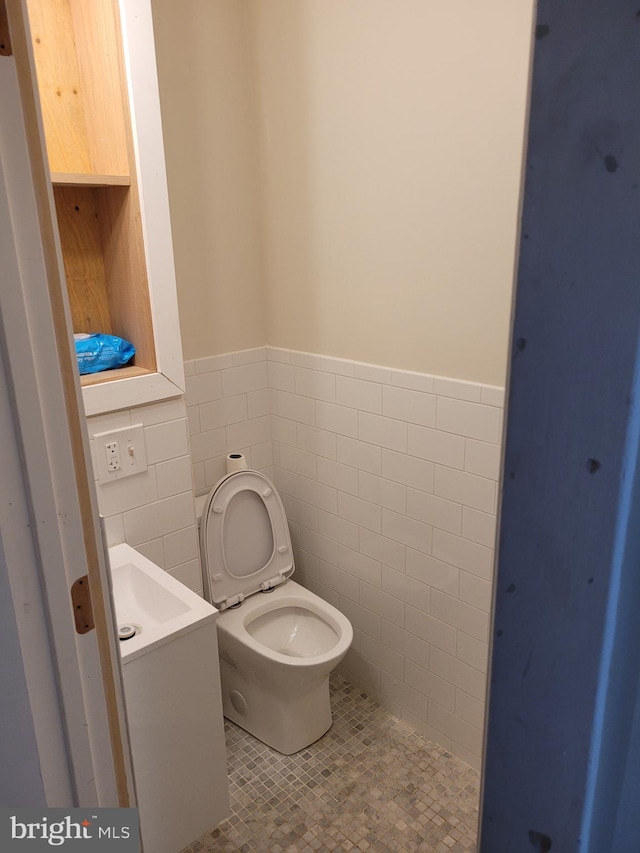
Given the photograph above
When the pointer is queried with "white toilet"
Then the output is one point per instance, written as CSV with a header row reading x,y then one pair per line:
x,y
277,641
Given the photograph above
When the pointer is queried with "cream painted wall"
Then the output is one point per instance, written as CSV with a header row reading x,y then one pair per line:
x,y
206,82
344,176
392,139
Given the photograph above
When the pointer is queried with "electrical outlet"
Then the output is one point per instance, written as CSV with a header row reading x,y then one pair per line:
x,y
120,453
112,452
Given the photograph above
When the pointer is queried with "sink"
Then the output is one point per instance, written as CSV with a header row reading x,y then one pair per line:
x,y
171,681
150,604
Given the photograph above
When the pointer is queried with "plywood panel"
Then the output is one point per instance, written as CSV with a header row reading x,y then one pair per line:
x,y
80,236
59,85
125,270
99,56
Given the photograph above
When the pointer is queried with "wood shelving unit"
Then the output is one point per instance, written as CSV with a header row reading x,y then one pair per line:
x,y
83,94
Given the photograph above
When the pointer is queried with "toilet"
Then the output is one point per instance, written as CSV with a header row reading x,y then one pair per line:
x,y
278,642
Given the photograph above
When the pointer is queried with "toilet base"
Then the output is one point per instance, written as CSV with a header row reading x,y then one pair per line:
x,y
287,723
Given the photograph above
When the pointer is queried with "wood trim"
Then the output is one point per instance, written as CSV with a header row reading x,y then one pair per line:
x,y
73,405
127,393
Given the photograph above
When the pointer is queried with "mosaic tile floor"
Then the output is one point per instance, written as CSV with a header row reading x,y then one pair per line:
x,y
371,783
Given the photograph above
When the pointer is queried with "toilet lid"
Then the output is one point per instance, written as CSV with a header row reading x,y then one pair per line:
x,y
244,538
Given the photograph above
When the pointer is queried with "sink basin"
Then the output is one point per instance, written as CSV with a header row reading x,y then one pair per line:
x,y
151,605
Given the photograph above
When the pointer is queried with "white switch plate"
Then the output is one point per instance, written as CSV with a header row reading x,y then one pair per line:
x,y
125,445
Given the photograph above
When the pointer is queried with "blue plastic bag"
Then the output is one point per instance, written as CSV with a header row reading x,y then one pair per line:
x,y
102,352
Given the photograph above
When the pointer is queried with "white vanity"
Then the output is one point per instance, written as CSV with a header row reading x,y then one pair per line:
x,y
173,699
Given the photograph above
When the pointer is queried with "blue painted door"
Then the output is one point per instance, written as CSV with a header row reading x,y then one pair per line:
x,y
562,733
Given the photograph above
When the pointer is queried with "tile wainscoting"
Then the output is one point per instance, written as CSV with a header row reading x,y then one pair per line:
x,y
154,511
390,480
229,410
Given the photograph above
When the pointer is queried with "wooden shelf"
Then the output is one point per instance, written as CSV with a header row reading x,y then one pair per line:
x,y
111,375
77,179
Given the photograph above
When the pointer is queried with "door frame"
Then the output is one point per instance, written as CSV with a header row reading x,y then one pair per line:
x,y
73,679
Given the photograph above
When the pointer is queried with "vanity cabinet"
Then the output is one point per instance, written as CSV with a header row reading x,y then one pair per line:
x,y
97,87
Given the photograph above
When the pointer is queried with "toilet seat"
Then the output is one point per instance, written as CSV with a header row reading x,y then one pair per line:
x,y
244,537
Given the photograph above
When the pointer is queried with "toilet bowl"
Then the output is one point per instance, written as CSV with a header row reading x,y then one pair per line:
x,y
278,642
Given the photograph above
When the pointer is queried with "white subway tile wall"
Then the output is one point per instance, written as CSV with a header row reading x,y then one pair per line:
x,y
154,511
390,483
236,418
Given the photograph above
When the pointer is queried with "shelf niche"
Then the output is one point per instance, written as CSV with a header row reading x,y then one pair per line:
x,y
83,95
